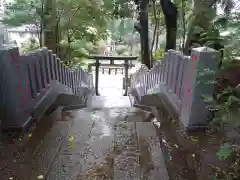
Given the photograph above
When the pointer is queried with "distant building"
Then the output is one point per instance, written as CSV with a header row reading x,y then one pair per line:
x,y
22,33
2,2
15,35
3,32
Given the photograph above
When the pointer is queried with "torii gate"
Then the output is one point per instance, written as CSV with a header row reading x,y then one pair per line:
x,y
126,65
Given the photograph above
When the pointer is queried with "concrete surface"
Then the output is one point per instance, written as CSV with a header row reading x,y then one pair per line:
x,y
107,140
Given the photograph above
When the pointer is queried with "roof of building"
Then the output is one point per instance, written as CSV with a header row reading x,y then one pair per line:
x,y
24,28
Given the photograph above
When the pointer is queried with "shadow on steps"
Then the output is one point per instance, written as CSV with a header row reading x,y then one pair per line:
x,y
68,102
17,154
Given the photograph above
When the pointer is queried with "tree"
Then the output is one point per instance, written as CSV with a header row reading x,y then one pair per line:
x,y
20,12
143,18
51,25
125,8
157,23
30,45
202,15
69,27
170,16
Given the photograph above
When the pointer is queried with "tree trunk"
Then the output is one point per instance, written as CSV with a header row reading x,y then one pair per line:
x,y
50,36
183,24
155,28
58,38
157,36
145,53
69,46
153,39
170,16
203,13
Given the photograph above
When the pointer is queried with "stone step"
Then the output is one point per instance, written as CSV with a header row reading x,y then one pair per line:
x,y
45,155
109,102
152,163
72,155
65,100
150,100
126,160
36,152
102,143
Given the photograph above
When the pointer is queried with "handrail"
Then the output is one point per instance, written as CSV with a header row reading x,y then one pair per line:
x,y
180,79
26,79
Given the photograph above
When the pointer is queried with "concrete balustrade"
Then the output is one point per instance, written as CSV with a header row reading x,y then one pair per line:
x,y
26,80
180,79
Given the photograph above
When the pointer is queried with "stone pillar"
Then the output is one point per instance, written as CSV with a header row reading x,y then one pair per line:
x,y
14,86
194,112
126,66
97,77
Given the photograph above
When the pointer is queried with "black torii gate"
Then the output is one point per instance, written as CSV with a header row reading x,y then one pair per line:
x,y
126,65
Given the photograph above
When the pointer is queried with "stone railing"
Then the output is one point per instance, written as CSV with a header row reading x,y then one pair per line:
x,y
182,79
33,79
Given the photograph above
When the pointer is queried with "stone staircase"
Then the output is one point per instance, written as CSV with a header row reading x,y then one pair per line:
x,y
108,139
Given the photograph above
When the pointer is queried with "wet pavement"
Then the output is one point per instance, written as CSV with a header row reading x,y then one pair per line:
x,y
107,140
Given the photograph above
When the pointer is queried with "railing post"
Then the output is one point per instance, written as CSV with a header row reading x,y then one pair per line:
x,y
89,68
47,66
144,82
97,65
175,72
179,88
56,67
165,69
31,75
171,56
42,69
65,74
75,86
59,70
159,71
51,65
194,112
126,66
67,79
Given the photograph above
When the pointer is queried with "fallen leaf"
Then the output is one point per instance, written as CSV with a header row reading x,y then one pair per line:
x,y
71,138
40,177
176,145
193,139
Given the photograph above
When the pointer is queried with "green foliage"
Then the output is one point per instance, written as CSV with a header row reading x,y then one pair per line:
x,y
78,23
121,49
227,110
225,151
158,54
19,12
29,45
121,30
123,8
233,171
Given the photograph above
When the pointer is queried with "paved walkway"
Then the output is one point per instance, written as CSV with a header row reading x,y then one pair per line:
x,y
107,140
